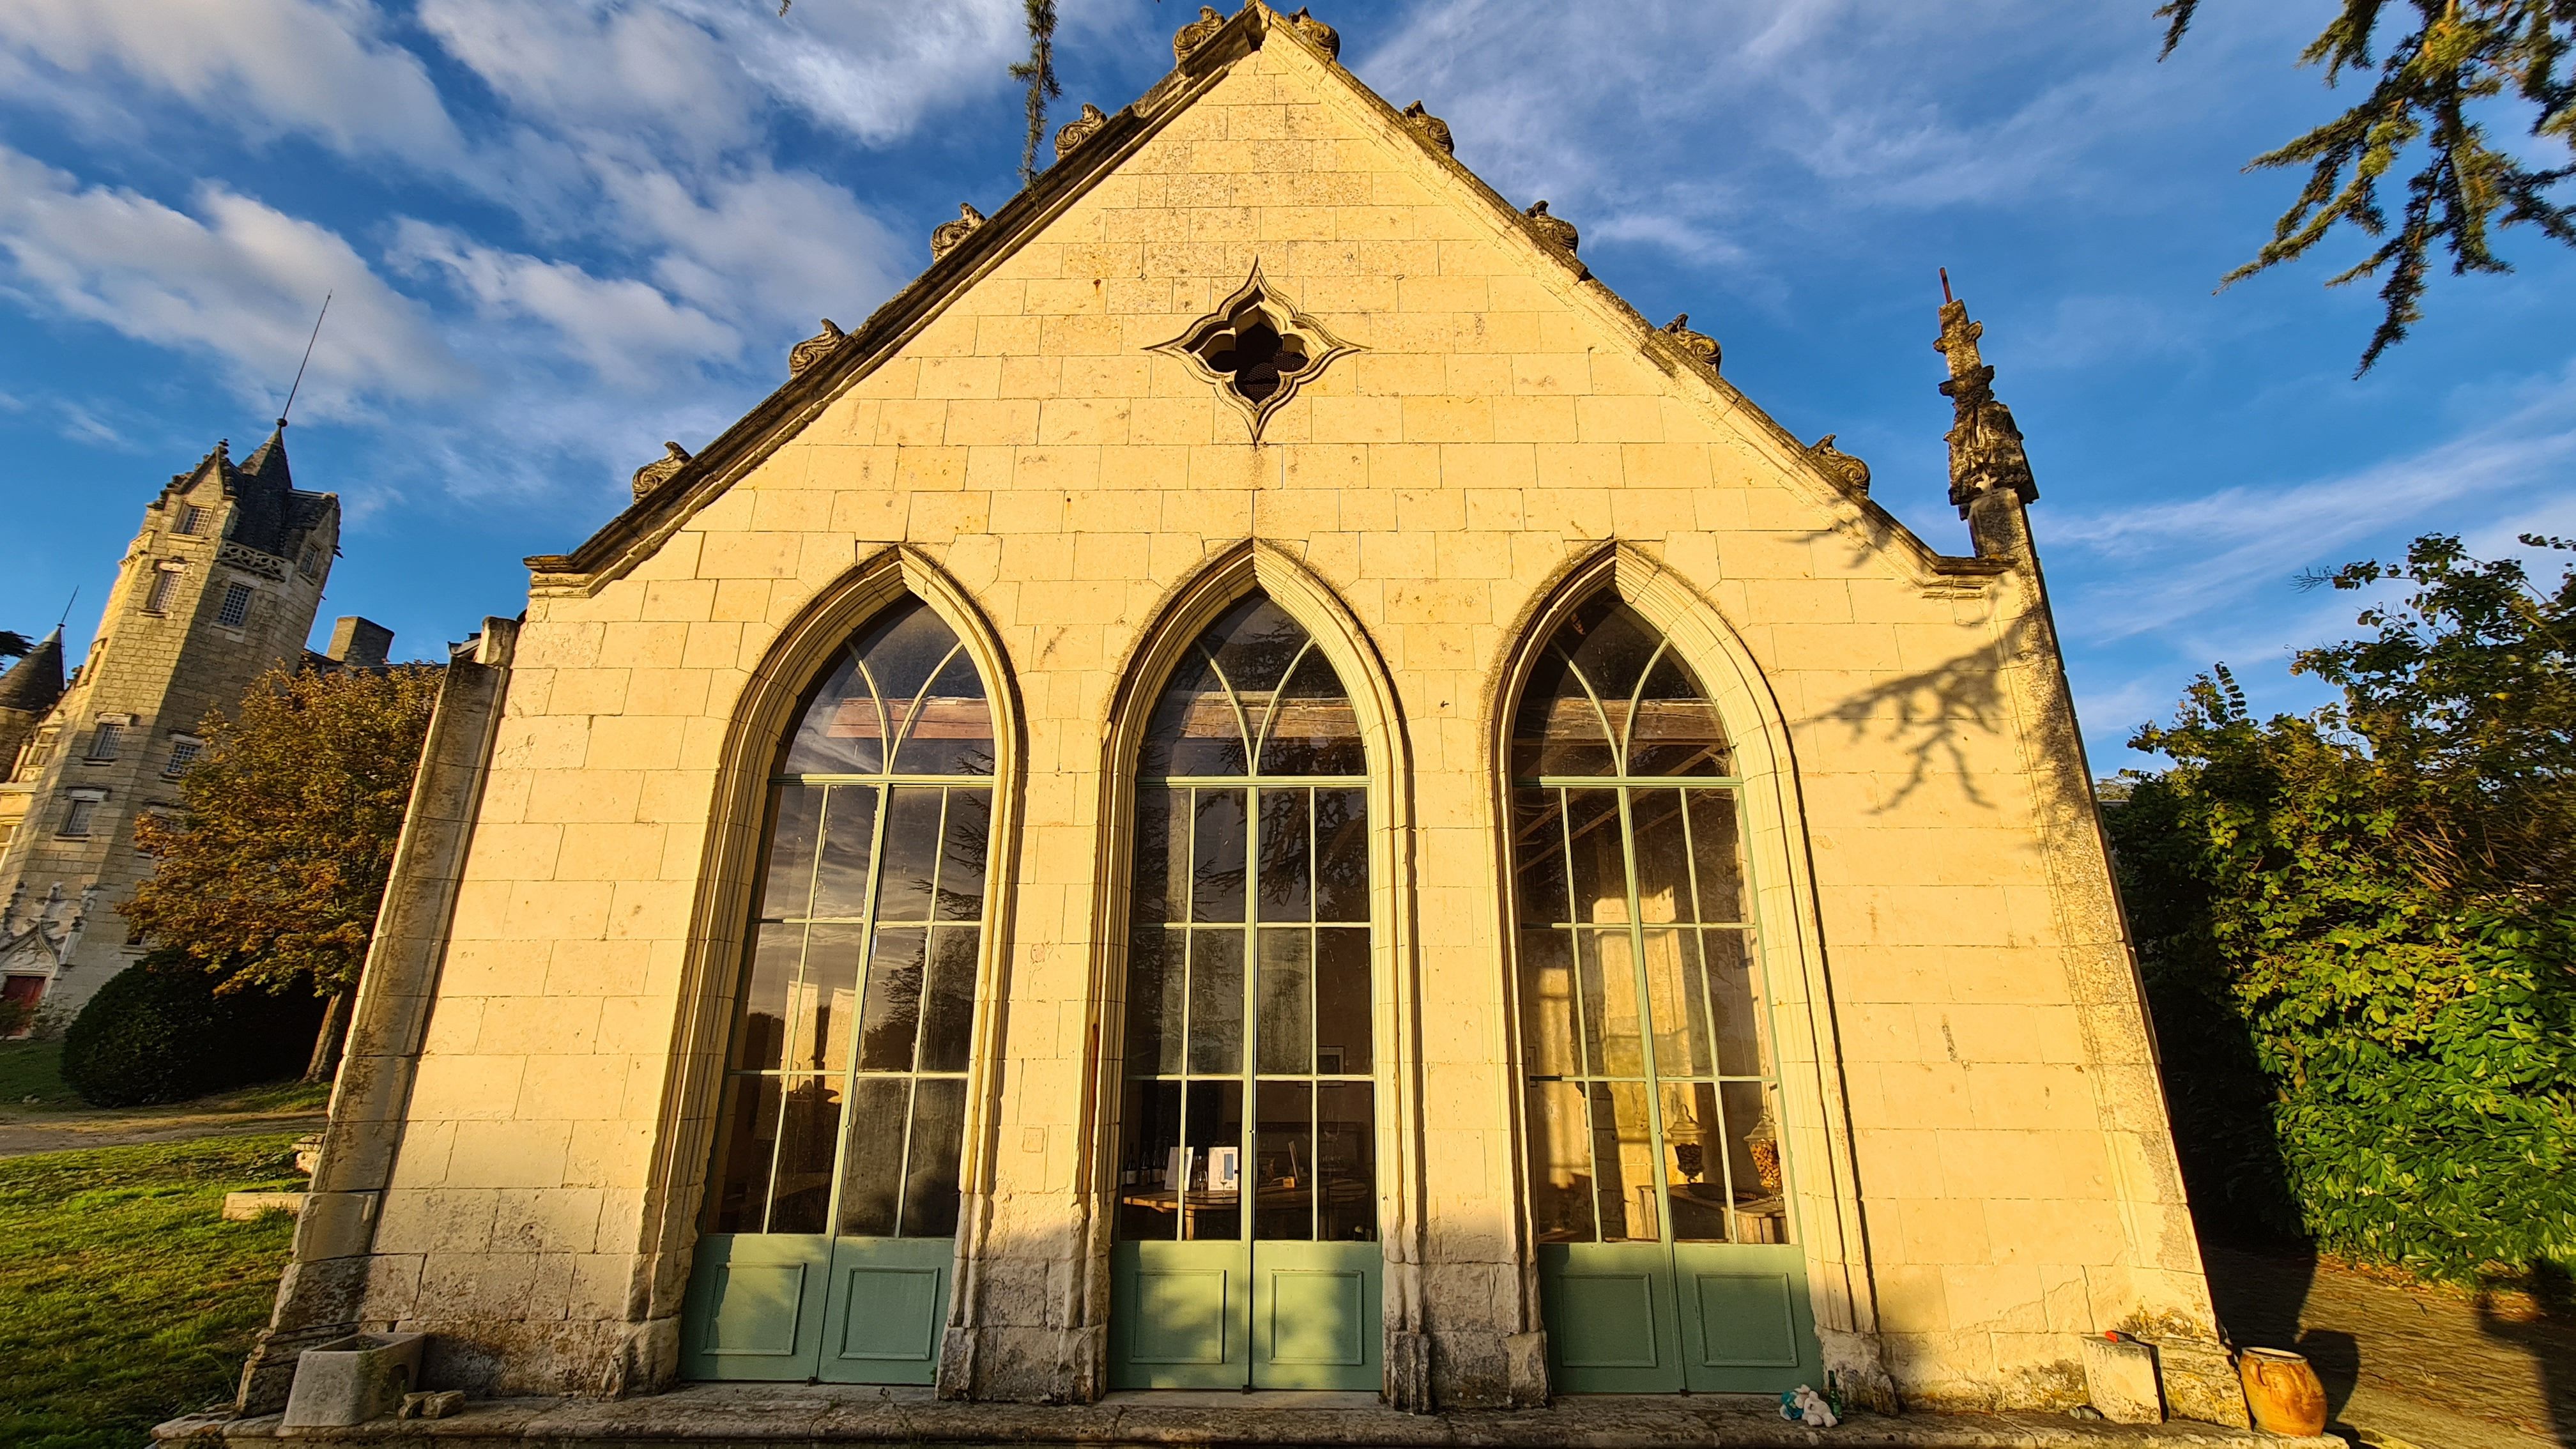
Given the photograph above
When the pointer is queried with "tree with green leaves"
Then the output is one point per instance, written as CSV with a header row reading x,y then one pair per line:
x,y
2357,927
271,875
2462,59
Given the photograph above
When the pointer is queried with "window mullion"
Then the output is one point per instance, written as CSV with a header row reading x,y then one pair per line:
x,y
1645,1019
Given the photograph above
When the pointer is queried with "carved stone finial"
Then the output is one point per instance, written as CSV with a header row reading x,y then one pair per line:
x,y
1556,229
1986,454
1078,130
1195,34
945,237
654,474
1698,344
1851,472
1323,37
1433,129
814,349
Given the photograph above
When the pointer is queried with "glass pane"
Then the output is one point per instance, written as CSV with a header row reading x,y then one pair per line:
x,y
1717,855
1148,1200
1346,1162
1548,1044
849,837
901,648
948,1009
841,732
1623,1163
1287,857
1254,644
970,844
1196,729
1694,1149
1538,855
951,729
827,998
893,1014
1341,855
1312,728
1598,856
1155,987
1285,1031
1611,1021
747,1138
1559,731
1673,1003
872,1163
1676,730
1743,1032
911,853
1216,857
1213,1208
1162,884
1216,1001
1283,1161
809,1133
1753,1156
1345,1006
1560,1164
930,1181
760,1035
1611,647
1662,855
793,813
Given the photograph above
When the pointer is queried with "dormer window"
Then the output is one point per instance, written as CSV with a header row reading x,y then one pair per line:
x,y
191,519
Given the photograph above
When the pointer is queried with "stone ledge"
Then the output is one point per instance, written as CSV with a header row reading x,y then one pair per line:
x,y
741,1416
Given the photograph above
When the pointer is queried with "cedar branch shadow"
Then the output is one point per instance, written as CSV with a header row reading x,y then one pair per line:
x,y
2550,1337
1929,713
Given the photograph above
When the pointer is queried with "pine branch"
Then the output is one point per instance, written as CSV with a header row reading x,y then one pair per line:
x,y
1039,71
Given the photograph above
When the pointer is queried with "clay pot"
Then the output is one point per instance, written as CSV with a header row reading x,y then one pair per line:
x,y
2282,1391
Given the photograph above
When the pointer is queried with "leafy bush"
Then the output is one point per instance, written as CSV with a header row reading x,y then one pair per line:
x,y
158,1032
2357,931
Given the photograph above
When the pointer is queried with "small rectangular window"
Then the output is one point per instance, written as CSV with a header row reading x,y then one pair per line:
x,y
164,584
183,753
8,831
107,743
311,564
236,606
191,518
76,816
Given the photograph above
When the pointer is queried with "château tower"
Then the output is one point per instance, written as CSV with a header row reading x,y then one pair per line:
x,y
221,582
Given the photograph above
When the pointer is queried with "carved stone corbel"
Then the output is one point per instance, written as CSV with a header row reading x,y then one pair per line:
x,y
1430,127
1559,232
815,348
1701,346
1078,130
658,472
1195,34
1323,37
949,235
1851,472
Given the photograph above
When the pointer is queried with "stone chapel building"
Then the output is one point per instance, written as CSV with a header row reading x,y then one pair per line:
x,y
1258,784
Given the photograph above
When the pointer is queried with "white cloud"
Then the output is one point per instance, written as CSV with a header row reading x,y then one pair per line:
x,y
237,281
624,330
785,246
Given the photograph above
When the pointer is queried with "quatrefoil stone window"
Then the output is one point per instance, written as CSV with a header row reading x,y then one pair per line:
x,y
1256,349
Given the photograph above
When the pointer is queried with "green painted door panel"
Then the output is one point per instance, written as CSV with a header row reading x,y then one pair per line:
x,y
1316,1310
1611,1326
755,1308
887,1311
1180,1316
1746,1327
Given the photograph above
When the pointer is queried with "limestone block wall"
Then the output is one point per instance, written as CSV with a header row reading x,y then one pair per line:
x,y
1980,1156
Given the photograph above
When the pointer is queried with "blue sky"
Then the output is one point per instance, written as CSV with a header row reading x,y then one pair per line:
x,y
559,233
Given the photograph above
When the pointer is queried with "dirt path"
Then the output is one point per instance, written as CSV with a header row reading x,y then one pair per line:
x,y
2406,1365
23,1133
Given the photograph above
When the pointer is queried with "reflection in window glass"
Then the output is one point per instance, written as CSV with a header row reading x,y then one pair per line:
x,y
1248,965
845,1101
1650,1101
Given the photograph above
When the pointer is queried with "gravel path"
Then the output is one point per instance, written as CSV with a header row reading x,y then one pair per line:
x,y
24,1133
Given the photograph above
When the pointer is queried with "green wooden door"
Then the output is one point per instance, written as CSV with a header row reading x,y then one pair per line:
x,y
1247,1252
1657,1191
832,1210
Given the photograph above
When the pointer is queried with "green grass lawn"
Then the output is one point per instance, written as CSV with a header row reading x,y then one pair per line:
x,y
31,1073
125,1298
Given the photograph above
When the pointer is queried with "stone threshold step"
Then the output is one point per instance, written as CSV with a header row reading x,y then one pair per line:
x,y
738,1417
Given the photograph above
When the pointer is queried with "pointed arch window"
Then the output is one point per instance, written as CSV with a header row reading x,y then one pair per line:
x,y
1651,1093
845,1092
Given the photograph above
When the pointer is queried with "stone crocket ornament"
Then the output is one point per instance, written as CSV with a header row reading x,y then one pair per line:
x,y
654,474
1699,345
1430,127
1195,34
1556,229
1851,472
1078,130
948,235
1323,37
815,348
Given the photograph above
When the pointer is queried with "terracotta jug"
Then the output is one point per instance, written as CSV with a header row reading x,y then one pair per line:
x,y
2282,1391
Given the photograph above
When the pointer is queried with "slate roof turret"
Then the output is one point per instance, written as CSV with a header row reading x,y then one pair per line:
x,y
37,680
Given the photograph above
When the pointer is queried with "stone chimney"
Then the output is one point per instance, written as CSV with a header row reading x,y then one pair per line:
x,y
359,643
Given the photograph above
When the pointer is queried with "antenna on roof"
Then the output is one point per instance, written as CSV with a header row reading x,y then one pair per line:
x,y
1945,287
67,607
308,358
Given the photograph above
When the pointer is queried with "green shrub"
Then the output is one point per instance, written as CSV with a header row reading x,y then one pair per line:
x,y
157,1032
